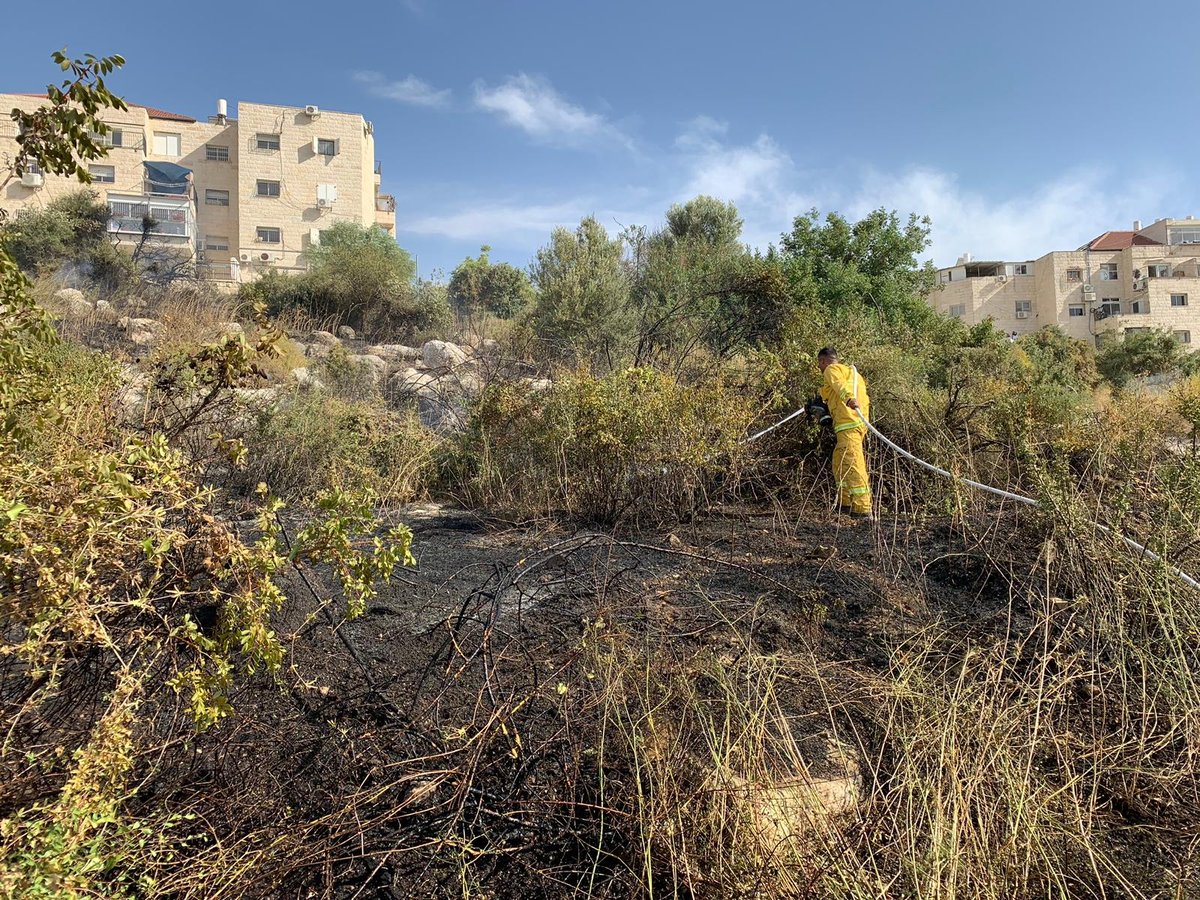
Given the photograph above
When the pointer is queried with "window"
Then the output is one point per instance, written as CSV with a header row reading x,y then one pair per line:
x,y
1137,330
216,198
1075,312
1158,270
1110,306
267,188
267,142
1179,299
268,235
958,310
214,243
32,167
216,153
1021,269
326,147
114,138
1108,271
102,174
1074,274
1024,308
1183,235
166,143
1182,337
1139,307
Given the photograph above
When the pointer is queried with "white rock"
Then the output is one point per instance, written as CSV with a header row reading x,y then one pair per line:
x,y
412,381
143,332
394,353
105,311
229,329
323,337
376,365
537,385
346,333
488,347
79,308
442,355
258,398
307,380
74,300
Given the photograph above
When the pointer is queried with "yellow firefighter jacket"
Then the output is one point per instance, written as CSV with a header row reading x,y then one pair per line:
x,y
842,382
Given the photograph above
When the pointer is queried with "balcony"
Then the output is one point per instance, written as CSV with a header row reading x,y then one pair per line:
x,y
385,211
171,219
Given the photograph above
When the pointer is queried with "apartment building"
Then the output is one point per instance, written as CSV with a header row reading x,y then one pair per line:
x,y
1121,282
239,194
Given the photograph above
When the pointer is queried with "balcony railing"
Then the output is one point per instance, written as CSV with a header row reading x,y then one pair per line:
x,y
167,218
385,203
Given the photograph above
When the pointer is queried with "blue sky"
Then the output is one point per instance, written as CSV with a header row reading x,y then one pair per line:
x,y
1018,127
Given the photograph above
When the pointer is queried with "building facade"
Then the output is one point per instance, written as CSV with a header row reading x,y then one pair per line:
x,y
237,194
1119,283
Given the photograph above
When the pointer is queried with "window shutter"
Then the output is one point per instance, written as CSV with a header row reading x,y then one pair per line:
x,y
315,146
337,146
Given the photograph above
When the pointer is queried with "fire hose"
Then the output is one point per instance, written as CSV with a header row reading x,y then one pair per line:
x,y
979,486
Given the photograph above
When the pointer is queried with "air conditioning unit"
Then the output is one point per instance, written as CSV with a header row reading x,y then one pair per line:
x,y
265,257
245,257
1002,278
312,111
323,202
1022,314
32,179
1089,289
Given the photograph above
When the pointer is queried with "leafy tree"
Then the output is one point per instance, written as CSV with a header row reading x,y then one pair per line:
x,y
870,265
1139,355
697,285
361,277
498,288
72,230
58,135
583,309
706,221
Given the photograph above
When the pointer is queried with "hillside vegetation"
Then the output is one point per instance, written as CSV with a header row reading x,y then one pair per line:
x,y
352,585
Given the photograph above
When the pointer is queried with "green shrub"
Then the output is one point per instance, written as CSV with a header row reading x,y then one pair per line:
x,y
635,446
315,442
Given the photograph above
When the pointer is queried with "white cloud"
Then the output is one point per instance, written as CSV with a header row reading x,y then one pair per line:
x,y
769,189
1059,214
533,105
411,90
493,221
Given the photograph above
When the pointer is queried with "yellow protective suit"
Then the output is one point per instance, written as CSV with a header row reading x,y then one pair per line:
x,y
841,382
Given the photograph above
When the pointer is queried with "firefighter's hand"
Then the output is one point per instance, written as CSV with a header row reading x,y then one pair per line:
x,y
852,403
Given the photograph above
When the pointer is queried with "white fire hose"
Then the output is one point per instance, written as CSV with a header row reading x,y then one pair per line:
x,y
1008,495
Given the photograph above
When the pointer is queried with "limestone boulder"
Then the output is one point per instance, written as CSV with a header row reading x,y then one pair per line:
x,y
376,365
442,355
395,354
106,312
346,333
323,337
307,380
142,332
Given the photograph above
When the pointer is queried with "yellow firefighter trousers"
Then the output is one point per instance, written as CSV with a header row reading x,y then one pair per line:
x,y
850,469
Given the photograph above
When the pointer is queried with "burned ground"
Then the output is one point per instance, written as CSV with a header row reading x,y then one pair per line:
x,y
447,740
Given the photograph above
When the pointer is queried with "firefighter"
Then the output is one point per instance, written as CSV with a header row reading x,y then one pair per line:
x,y
844,391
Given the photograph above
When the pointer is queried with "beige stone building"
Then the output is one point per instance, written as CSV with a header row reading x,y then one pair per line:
x,y
1120,282
238,194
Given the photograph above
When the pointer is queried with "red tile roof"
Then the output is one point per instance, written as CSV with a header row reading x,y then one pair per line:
x,y
150,110
1119,240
